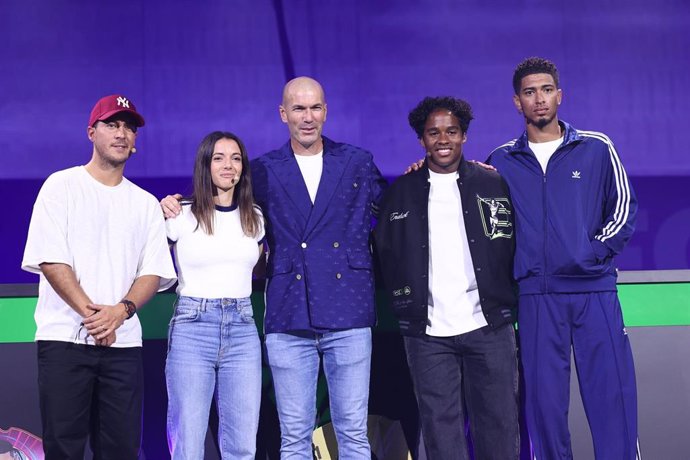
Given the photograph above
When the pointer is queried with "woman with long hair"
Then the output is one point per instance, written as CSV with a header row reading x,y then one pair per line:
x,y
213,344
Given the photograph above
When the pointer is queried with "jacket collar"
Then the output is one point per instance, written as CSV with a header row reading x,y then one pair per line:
x,y
335,161
570,136
286,153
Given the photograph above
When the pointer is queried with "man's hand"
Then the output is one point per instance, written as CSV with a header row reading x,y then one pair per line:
x,y
105,320
414,166
483,165
109,340
171,205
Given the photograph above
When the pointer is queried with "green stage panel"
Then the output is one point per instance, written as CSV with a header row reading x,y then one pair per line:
x,y
17,319
653,304
155,316
656,304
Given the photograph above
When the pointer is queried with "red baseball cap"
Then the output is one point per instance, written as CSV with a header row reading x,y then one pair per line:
x,y
108,106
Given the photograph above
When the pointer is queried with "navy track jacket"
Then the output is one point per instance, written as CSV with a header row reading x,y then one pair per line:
x,y
572,220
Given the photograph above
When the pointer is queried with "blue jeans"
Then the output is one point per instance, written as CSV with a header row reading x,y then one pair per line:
x,y
294,361
478,368
213,346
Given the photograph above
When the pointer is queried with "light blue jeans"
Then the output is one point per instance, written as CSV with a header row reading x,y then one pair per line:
x,y
294,360
213,347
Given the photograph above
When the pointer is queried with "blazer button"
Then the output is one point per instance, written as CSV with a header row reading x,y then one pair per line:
x,y
471,240
338,275
355,184
336,245
479,269
304,245
467,212
298,276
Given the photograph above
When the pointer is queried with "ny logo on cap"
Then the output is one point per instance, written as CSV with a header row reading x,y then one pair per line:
x,y
122,101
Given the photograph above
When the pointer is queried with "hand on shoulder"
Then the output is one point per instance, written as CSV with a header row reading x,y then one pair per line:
x,y
483,165
170,205
414,166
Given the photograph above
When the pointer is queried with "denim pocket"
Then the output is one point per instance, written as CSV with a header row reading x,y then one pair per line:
x,y
186,311
246,311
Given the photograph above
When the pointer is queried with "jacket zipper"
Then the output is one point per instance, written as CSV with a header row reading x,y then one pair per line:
x,y
545,282
543,195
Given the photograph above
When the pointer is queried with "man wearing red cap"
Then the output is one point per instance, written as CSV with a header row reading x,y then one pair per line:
x,y
98,243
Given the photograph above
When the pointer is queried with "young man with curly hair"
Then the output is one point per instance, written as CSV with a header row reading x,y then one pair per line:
x,y
445,241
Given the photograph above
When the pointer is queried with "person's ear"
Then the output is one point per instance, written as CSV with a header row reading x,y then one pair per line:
x,y
518,104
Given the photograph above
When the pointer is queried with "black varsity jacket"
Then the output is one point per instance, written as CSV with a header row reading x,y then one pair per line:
x,y
402,244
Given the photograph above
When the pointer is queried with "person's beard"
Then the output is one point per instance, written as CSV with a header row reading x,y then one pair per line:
x,y
541,122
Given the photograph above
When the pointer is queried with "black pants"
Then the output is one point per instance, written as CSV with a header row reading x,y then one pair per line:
x,y
476,371
87,391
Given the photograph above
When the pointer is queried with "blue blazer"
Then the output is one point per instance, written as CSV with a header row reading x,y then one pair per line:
x,y
319,274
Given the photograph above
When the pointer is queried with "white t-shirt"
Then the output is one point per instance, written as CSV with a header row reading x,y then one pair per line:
x,y
311,167
214,266
108,235
454,306
544,150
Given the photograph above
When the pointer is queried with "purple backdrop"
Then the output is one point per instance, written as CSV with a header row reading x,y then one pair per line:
x,y
192,67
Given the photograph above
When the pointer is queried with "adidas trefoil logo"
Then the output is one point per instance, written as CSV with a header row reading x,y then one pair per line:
x,y
576,175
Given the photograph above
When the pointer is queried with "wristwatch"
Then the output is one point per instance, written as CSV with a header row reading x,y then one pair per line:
x,y
130,307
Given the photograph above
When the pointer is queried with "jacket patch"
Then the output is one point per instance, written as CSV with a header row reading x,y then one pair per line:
x,y
404,291
577,175
495,213
397,215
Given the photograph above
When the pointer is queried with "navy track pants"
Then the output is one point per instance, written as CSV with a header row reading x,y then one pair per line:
x,y
592,324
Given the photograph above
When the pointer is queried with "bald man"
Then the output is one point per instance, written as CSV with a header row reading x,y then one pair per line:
x,y
318,197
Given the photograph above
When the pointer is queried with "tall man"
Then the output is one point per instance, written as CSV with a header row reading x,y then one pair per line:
x,y
445,241
575,211
98,243
318,197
